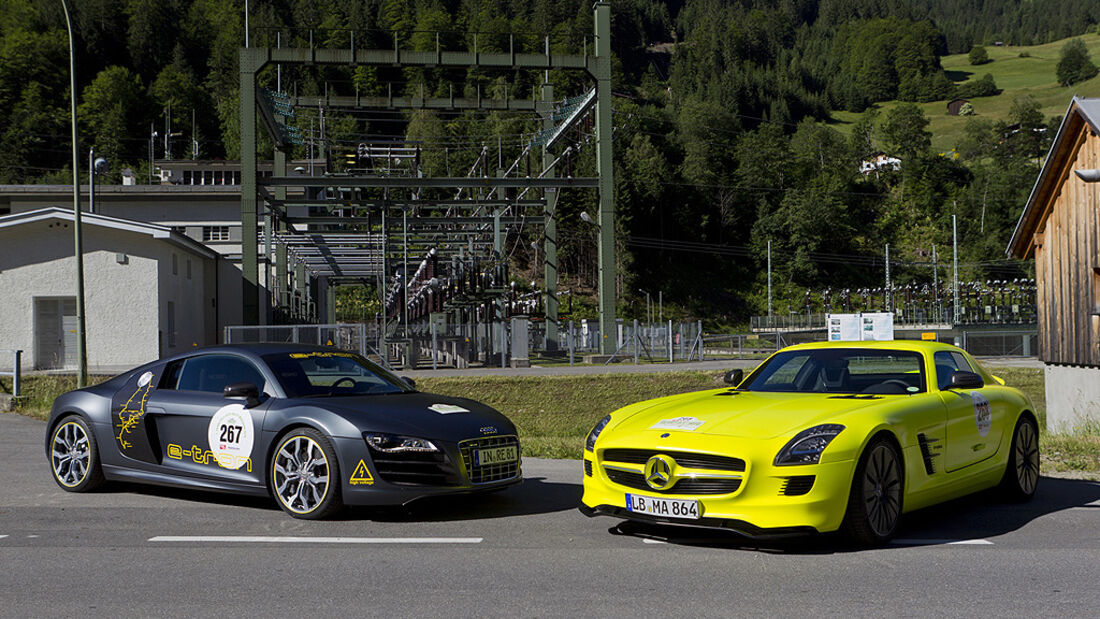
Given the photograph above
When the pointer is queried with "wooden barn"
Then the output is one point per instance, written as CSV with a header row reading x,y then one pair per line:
x,y
955,106
1060,229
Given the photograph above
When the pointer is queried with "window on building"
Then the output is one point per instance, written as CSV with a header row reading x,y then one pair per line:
x,y
175,264
188,268
215,233
170,319
187,177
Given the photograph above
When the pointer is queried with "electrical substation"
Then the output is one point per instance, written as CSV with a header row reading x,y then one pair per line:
x,y
435,247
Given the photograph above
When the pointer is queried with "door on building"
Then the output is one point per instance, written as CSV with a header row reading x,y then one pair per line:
x,y
55,333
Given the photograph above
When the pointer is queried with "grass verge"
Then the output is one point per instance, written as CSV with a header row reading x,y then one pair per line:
x,y
554,413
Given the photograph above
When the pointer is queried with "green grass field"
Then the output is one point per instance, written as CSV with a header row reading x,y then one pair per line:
x,y
1033,75
554,413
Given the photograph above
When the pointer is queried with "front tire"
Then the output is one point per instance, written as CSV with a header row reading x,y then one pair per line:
x,y
305,475
874,504
1021,477
74,456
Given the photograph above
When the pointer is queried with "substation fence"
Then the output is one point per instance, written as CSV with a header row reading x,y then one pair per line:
x,y
1000,343
358,337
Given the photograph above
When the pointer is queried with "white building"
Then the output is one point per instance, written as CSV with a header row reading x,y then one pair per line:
x,y
149,291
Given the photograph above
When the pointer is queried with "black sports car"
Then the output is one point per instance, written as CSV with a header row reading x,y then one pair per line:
x,y
316,427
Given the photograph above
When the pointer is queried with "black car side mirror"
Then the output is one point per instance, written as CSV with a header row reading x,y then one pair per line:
x,y
408,381
248,391
966,380
734,377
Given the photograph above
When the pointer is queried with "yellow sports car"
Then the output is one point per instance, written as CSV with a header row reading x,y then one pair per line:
x,y
819,437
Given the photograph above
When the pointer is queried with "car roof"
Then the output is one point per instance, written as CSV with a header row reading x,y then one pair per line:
x,y
921,346
257,349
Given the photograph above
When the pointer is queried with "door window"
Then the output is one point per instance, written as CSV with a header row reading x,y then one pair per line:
x,y
211,373
947,363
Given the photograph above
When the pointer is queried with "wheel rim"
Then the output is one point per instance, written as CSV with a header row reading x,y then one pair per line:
x,y
70,454
1027,458
301,475
882,490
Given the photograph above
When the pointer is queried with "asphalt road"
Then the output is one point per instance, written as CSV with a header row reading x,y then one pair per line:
x,y
139,552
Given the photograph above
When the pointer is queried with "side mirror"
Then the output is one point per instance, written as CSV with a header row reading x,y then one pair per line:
x,y
734,377
966,380
408,381
248,391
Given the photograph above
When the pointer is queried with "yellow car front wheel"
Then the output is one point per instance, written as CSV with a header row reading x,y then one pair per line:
x,y
874,505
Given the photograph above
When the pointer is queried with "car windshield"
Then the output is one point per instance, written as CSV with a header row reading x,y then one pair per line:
x,y
841,370
331,373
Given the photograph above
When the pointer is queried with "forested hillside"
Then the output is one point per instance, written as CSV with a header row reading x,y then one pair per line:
x,y
726,119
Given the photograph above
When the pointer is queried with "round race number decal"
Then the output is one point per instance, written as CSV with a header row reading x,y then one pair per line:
x,y
230,436
983,413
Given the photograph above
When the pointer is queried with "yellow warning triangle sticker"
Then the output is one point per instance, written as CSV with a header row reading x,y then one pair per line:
x,y
361,475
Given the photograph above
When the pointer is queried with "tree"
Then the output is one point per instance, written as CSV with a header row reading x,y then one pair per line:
x,y
905,131
978,55
111,108
1074,64
981,87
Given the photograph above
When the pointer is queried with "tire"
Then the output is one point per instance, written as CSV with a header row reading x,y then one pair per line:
x,y
305,475
74,456
875,501
1021,477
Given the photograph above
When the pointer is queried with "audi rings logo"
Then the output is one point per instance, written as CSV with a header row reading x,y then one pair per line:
x,y
658,472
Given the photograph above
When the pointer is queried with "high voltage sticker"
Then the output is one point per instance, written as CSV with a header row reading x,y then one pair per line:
x,y
361,475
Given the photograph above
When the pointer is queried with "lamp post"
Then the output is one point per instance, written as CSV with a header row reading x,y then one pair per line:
x,y
96,167
81,352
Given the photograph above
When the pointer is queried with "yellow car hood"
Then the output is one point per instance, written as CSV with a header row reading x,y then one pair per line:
x,y
745,414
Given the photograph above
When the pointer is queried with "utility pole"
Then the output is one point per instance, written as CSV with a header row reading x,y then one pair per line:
x,y
194,137
78,241
889,291
769,283
935,280
955,268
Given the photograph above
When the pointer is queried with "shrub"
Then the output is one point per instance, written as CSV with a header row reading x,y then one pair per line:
x,y
978,55
1075,65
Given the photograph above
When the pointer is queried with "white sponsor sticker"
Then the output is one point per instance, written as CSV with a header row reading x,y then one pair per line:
x,y
447,409
687,424
230,435
144,379
983,413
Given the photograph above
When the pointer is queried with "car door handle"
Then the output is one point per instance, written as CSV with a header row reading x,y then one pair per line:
x,y
978,447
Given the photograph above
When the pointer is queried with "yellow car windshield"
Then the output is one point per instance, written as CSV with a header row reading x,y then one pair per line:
x,y
841,370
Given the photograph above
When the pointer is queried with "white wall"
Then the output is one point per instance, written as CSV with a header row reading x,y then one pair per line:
x,y
1073,397
125,303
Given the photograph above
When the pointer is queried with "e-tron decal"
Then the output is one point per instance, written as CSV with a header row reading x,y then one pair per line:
x,y
361,475
230,435
133,410
447,409
983,413
205,456
308,355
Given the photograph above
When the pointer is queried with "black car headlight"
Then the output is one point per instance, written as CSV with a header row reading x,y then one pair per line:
x,y
393,443
807,445
590,442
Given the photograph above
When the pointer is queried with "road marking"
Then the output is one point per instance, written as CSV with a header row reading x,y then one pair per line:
x,y
938,542
3,536
31,536
654,541
261,539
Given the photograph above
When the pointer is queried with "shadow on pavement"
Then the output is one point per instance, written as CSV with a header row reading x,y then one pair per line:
x,y
978,516
534,495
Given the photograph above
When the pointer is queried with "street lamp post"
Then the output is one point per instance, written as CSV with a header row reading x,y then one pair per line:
x,y
81,352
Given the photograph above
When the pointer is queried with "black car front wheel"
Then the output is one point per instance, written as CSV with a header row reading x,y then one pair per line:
x,y
874,505
305,475
74,456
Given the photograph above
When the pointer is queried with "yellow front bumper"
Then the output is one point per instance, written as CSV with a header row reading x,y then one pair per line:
x,y
758,507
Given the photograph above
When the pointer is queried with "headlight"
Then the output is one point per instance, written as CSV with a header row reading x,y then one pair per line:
x,y
807,445
590,442
392,443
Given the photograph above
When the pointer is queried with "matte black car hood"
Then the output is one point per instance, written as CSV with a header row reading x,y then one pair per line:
x,y
412,413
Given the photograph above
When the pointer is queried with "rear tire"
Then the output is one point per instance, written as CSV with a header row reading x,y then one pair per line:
x,y
875,501
74,456
305,475
1021,477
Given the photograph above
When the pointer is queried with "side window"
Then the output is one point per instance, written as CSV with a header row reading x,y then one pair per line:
x,y
961,362
946,365
171,376
211,373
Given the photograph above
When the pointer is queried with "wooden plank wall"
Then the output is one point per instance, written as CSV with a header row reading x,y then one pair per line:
x,y
1067,250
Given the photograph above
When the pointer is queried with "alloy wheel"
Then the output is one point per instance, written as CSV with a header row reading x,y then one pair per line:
x,y
70,454
882,490
301,474
1027,458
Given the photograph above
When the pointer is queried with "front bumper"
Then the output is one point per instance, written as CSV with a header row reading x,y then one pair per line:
x,y
759,507
364,482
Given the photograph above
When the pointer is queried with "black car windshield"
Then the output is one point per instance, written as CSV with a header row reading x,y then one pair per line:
x,y
841,370
331,373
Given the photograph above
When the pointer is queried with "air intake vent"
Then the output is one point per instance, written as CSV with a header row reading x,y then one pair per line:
x,y
588,468
797,486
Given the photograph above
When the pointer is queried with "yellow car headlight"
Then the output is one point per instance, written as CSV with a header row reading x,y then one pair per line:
x,y
807,445
590,442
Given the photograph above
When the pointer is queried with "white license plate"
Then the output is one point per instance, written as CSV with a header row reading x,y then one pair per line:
x,y
671,508
497,455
